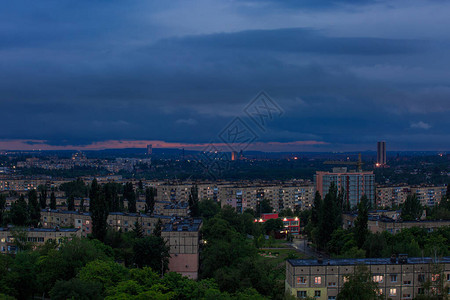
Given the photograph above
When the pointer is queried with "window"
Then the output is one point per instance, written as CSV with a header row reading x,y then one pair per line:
x,y
301,294
318,280
392,292
407,282
393,278
421,278
378,278
301,280
316,294
448,277
421,291
87,222
78,221
331,297
332,283
406,296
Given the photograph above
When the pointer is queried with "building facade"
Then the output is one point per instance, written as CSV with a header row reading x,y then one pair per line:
x,y
396,278
353,184
35,236
381,154
183,237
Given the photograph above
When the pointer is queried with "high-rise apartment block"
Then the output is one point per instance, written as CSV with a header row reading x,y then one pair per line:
x,y
381,154
353,184
149,149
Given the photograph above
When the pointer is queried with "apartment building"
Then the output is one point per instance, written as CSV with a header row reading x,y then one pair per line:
x,y
183,237
116,220
429,195
402,278
27,184
391,196
353,184
36,236
167,208
299,196
393,223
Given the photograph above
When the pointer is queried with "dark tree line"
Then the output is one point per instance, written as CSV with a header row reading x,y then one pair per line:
x,y
325,217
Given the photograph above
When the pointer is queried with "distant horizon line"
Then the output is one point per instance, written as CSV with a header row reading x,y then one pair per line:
x,y
308,146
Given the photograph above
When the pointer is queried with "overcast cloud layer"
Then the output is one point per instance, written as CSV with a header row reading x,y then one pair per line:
x,y
346,73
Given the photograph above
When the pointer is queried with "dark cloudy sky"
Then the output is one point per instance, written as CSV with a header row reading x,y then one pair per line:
x,y
80,74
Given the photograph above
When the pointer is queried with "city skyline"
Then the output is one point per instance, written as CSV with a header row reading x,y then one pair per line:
x,y
347,74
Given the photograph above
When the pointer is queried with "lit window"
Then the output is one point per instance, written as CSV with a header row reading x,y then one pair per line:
x,y
435,277
318,280
393,292
301,280
378,278
87,222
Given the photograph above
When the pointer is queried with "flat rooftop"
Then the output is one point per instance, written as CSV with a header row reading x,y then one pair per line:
x,y
42,229
191,225
363,261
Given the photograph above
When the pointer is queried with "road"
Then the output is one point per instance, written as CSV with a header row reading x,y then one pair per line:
x,y
301,245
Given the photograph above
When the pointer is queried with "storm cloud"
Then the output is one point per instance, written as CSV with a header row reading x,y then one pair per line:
x,y
94,71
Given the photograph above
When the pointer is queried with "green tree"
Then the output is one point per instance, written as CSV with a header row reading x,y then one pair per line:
x,y
361,222
19,212
24,269
42,196
150,200
330,217
208,209
2,209
412,209
34,208
76,288
82,209
106,273
52,201
193,202
98,208
359,286
76,188
152,252
130,195
65,263
158,228
138,230
263,207
273,225
316,212
71,203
